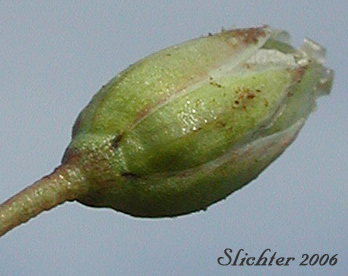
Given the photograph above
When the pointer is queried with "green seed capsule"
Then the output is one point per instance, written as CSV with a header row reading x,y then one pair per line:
x,y
187,126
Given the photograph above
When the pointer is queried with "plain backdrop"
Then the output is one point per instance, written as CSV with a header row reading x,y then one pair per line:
x,y
54,55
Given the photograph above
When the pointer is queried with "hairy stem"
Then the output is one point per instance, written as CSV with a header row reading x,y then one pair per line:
x,y
65,183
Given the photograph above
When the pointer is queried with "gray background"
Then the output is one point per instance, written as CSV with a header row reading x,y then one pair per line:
x,y
54,55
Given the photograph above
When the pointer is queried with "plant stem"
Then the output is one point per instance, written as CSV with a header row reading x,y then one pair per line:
x,y
65,183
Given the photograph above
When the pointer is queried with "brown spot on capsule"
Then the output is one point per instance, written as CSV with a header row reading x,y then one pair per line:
x,y
212,82
222,124
235,104
266,103
250,35
251,95
130,176
142,113
116,141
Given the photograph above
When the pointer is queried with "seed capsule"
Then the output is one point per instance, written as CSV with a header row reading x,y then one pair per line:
x,y
184,127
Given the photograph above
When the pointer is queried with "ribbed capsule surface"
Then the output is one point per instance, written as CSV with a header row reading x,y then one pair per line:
x,y
186,126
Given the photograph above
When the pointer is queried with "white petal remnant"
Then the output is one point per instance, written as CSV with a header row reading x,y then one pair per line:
x,y
267,57
314,50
